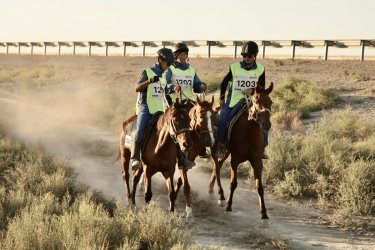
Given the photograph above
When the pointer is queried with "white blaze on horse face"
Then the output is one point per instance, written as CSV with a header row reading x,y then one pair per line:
x,y
209,125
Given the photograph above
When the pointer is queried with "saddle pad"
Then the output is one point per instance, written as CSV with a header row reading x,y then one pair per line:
x,y
131,129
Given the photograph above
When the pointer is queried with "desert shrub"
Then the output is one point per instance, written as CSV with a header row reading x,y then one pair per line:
x,y
278,62
356,192
42,207
301,96
361,76
213,80
323,162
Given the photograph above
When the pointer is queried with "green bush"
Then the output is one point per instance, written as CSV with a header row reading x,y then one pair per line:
x,y
42,207
298,95
333,162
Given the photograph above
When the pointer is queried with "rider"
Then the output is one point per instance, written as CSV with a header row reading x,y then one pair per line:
x,y
248,69
182,74
150,99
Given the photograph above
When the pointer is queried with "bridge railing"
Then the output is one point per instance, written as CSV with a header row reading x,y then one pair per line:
x,y
293,45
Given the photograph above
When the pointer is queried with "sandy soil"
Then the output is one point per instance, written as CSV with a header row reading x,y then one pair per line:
x,y
63,132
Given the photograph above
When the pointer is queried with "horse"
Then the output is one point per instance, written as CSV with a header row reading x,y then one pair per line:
x,y
160,152
202,120
246,144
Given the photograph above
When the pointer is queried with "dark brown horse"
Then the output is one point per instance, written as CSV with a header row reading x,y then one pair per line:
x,y
246,144
160,153
202,120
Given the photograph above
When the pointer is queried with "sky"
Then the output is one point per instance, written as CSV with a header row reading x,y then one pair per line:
x,y
157,20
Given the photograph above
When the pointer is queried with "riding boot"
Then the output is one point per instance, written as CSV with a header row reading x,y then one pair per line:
x,y
136,157
203,153
221,148
182,160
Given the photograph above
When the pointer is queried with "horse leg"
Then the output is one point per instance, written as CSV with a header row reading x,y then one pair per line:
x,y
178,185
216,174
183,176
258,168
125,160
136,177
211,183
233,184
147,185
172,193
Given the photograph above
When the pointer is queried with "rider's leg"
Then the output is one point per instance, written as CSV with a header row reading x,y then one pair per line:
x,y
182,160
222,129
142,120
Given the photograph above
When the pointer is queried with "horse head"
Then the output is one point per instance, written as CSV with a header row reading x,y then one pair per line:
x,y
202,120
179,122
260,110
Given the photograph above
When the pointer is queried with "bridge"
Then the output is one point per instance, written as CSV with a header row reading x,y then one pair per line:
x,y
234,46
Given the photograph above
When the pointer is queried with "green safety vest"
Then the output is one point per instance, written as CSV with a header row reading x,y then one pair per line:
x,y
154,99
243,79
184,78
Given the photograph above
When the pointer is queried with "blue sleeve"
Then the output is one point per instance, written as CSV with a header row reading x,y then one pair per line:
x,y
169,89
197,84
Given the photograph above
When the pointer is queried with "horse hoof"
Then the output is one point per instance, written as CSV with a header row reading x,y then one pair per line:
x,y
228,209
220,203
264,217
210,191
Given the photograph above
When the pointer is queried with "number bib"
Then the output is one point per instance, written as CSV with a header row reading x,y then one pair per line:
x,y
156,90
184,81
245,82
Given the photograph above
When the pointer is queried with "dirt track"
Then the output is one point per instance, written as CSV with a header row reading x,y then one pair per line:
x,y
62,134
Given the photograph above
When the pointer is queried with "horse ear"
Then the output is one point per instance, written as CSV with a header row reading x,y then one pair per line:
x,y
258,88
270,88
212,100
199,101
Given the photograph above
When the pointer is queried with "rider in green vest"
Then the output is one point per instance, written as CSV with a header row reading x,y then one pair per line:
x,y
180,73
150,99
241,76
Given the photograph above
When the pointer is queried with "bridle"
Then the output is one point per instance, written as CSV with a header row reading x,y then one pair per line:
x,y
254,112
174,132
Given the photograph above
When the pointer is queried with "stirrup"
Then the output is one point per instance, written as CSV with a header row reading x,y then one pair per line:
x,y
203,154
221,148
135,164
187,164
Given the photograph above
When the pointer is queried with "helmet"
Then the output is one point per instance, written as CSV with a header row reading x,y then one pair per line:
x,y
166,55
249,48
181,47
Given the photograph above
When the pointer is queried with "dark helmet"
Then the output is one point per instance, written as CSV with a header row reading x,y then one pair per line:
x,y
166,55
181,47
249,48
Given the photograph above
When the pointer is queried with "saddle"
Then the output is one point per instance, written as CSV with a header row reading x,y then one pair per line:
x,y
233,120
130,132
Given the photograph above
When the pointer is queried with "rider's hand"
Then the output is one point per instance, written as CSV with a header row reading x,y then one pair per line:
x,y
222,103
154,79
203,86
177,88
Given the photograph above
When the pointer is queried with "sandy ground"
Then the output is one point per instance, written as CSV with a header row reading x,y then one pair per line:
x,y
63,133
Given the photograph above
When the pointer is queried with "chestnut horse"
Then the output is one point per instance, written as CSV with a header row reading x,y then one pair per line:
x,y
160,152
246,144
202,120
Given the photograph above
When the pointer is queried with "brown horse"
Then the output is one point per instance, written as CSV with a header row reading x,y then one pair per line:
x,y
160,152
246,144
202,120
